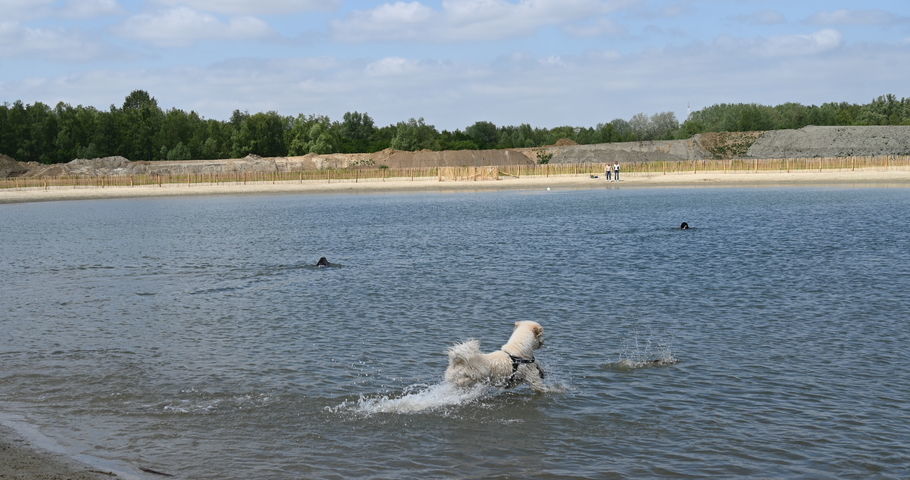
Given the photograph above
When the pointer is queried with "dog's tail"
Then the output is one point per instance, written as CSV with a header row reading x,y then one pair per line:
x,y
462,353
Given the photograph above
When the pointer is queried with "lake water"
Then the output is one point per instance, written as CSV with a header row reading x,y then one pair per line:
x,y
192,335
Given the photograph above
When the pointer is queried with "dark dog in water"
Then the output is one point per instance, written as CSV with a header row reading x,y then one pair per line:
x,y
322,262
662,362
684,226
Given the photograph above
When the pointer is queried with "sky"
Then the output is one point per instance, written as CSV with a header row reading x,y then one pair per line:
x,y
454,62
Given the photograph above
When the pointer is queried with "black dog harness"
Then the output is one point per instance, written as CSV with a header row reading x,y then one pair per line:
x,y
517,362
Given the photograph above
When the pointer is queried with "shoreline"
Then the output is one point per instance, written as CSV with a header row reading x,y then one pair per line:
x,y
894,178
21,459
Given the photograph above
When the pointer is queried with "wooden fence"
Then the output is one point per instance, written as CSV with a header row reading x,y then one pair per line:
x,y
469,173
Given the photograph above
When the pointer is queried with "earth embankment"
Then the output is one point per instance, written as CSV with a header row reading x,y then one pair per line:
x,y
806,142
809,142
668,150
115,166
801,143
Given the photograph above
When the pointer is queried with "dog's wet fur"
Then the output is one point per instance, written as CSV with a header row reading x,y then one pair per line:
x,y
510,366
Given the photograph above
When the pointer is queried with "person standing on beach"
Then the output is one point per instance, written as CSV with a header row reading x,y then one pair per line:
x,y
607,172
616,171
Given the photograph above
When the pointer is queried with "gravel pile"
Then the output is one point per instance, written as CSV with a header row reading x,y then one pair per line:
x,y
660,150
832,142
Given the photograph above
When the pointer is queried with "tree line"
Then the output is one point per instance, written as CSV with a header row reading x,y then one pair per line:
x,y
141,130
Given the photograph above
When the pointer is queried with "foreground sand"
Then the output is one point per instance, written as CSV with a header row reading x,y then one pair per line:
x,y
19,460
870,177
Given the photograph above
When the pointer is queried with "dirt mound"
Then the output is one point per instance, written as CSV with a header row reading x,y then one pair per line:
x,y
10,167
832,142
563,142
661,150
456,158
728,145
110,164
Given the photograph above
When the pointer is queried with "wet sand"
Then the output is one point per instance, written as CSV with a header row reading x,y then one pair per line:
x,y
20,460
869,177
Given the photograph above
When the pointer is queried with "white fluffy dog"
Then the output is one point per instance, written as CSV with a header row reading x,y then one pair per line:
x,y
507,367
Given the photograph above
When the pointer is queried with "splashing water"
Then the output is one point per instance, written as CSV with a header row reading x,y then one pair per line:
x,y
417,398
643,354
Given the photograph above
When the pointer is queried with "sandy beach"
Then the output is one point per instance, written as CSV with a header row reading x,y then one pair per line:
x,y
869,177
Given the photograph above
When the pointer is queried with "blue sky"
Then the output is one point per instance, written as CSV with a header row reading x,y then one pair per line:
x,y
454,62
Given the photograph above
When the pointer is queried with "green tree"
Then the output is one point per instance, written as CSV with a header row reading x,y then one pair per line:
x,y
140,130
483,134
260,134
664,125
313,134
138,123
558,133
355,132
36,132
641,126
176,127
179,152
415,135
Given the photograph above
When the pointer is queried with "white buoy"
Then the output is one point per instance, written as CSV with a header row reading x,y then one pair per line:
x,y
548,189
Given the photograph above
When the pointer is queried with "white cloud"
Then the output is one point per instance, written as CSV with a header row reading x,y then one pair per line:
x,y
258,7
597,28
468,20
675,10
392,66
391,21
763,17
182,26
585,89
89,8
16,10
19,40
856,17
802,44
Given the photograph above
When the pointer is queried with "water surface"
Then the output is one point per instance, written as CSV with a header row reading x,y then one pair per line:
x,y
194,336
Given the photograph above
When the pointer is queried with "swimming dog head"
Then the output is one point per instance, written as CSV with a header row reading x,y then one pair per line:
x,y
526,337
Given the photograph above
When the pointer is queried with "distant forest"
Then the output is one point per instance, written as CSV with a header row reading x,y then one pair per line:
x,y
141,130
